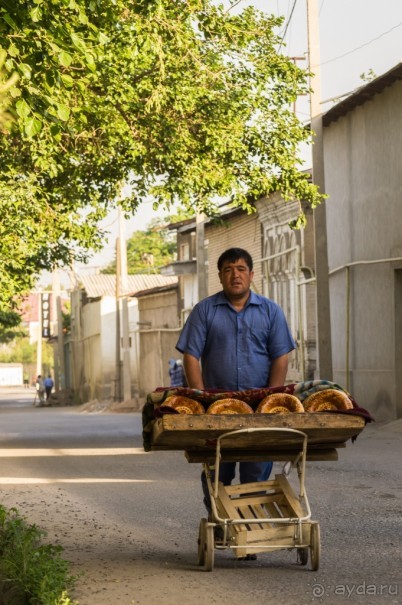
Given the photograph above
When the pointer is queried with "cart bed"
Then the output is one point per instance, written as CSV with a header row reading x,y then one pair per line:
x,y
197,434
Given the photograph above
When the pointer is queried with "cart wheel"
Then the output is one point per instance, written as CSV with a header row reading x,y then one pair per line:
x,y
302,556
201,541
206,545
315,546
209,548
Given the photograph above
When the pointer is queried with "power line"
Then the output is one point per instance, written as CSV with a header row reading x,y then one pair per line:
x,y
349,52
288,21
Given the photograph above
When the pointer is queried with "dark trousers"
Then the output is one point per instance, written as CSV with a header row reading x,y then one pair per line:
x,y
250,472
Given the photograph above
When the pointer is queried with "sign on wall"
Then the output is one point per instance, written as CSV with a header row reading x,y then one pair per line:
x,y
45,315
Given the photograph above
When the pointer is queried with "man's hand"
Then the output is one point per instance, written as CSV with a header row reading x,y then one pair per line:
x,y
192,370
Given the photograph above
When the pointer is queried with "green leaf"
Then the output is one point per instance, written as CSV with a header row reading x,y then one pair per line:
x,y
83,18
36,14
102,38
65,59
63,112
78,43
67,80
55,131
15,93
32,127
25,70
90,62
13,51
23,109
10,21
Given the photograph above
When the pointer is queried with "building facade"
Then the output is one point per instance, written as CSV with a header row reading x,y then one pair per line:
x,y
94,364
283,267
363,177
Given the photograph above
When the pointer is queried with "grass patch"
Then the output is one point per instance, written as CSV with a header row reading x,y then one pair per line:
x,y
31,572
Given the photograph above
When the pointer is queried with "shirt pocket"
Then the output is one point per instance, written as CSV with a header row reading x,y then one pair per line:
x,y
258,338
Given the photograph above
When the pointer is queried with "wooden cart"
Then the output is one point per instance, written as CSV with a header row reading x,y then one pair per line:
x,y
257,517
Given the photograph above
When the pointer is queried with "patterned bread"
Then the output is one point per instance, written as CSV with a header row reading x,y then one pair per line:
x,y
280,403
229,406
184,405
328,399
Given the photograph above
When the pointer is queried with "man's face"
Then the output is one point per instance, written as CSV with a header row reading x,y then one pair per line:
x,y
236,278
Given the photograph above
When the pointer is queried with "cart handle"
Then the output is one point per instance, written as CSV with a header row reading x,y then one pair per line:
x,y
262,430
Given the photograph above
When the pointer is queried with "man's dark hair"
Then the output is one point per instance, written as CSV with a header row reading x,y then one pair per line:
x,y
234,254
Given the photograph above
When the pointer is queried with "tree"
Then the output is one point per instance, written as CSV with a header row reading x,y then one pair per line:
x,y
183,100
149,250
10,329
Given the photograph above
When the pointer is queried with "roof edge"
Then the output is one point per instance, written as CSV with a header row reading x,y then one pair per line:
x,y
363,94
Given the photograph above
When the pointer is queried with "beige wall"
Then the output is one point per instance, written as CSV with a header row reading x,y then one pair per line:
x,y
158,340
93,372
363,178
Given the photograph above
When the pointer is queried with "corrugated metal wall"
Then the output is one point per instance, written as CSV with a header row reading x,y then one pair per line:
x,y
240,231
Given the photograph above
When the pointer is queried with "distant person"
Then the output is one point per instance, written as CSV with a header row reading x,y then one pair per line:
x,y
48,383
176,373
40,389
26,380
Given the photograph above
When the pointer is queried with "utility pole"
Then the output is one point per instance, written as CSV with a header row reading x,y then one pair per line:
x,y
324,357
59,365
125,322
200,244
39,342
118,331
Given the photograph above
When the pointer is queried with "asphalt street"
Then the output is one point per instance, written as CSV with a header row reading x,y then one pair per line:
x,y
128,520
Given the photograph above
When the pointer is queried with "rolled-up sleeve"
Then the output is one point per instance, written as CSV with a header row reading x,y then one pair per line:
x,y
194,333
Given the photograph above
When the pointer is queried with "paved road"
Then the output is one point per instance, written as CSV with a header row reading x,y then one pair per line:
x,y
128,520
16,397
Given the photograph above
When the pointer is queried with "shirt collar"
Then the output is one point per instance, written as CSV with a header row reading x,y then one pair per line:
x,y
222,300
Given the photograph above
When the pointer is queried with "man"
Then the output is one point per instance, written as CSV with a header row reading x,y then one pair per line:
x,y
48,382
236,340
40,390
176,373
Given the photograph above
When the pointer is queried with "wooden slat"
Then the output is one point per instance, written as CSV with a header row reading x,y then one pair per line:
x,y
284,509
193,432
316,454
229,508
272,510
257,486
291,499
282,534
246,512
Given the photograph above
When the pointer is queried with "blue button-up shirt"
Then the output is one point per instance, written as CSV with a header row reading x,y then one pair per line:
x,y
236,348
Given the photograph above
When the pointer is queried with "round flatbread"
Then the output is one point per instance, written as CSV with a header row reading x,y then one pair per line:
x,y
327,400
280,403
229,406
184,405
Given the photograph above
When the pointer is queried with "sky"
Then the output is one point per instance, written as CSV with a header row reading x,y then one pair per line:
x,y
356,37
